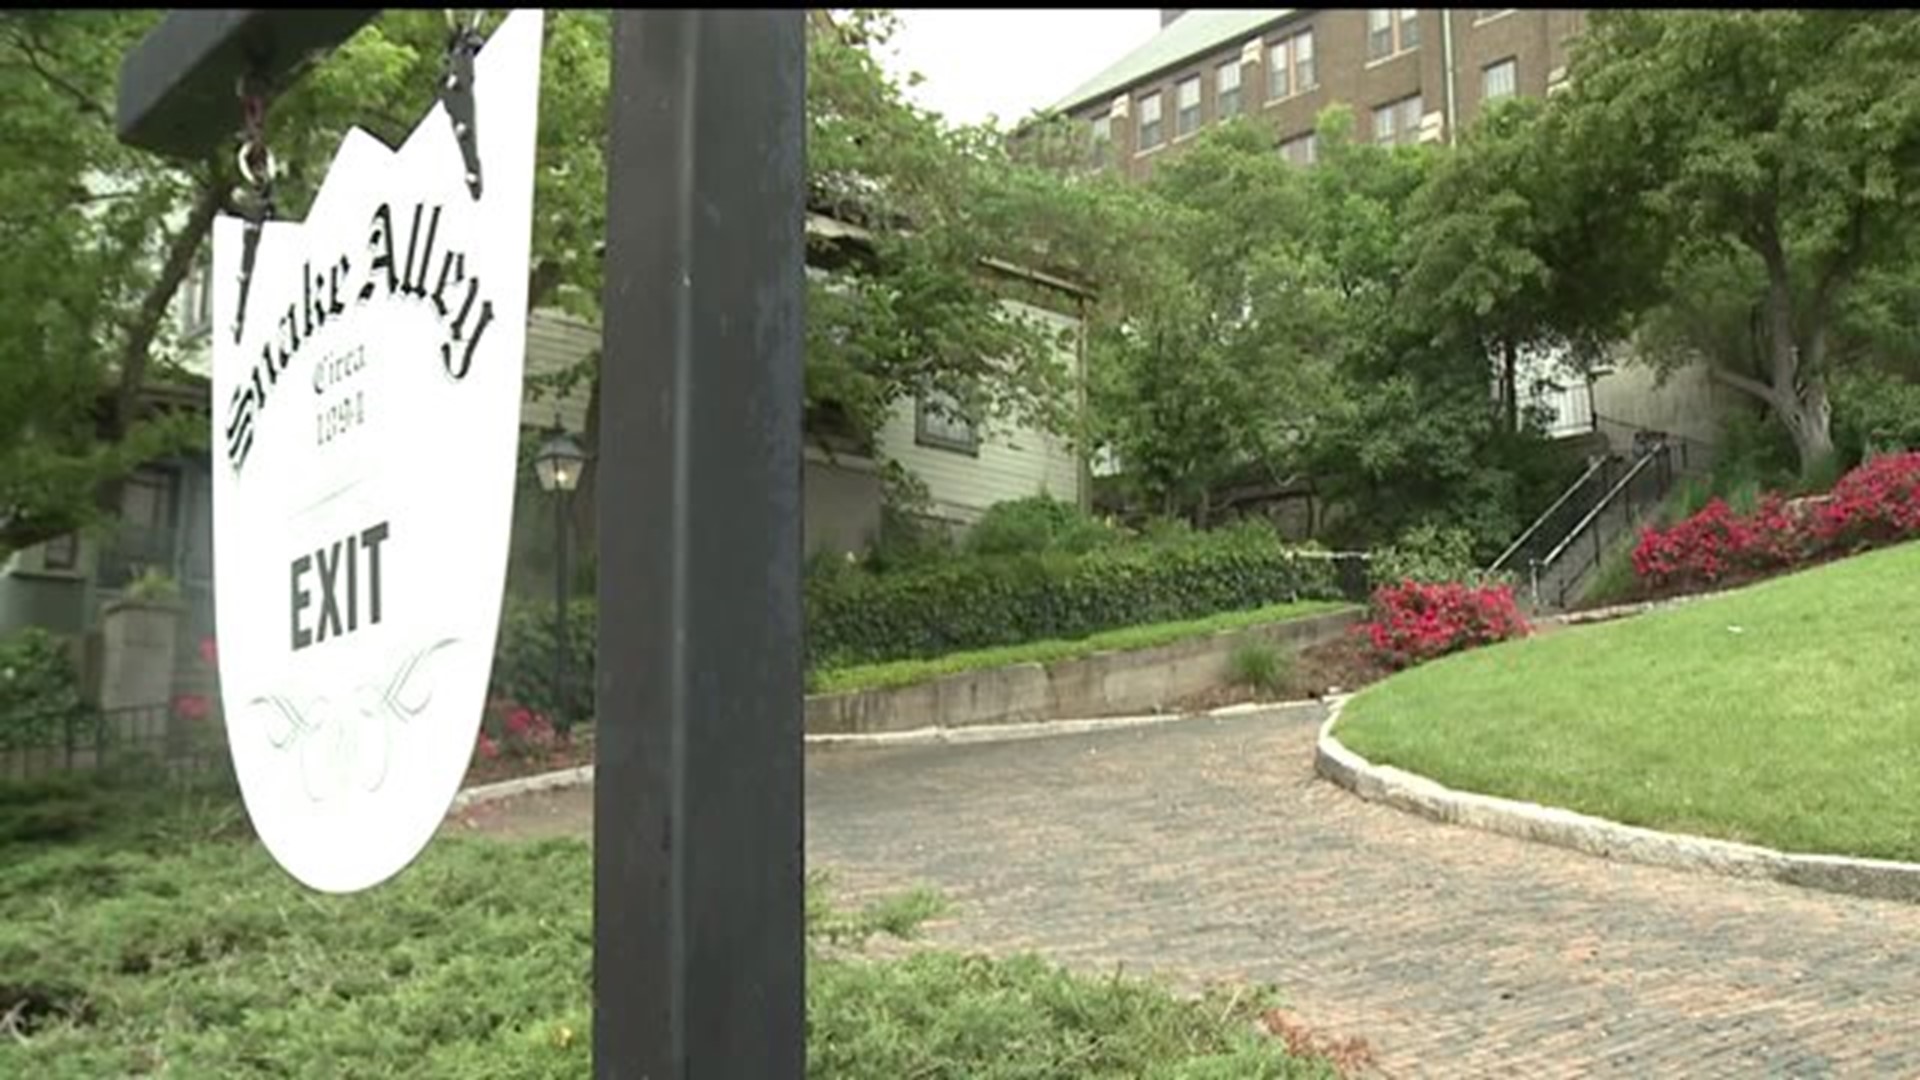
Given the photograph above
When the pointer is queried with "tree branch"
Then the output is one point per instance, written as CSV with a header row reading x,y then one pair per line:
x,y
81,98
136,350
1743,384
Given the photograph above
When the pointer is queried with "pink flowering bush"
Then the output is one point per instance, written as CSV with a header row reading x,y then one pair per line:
x,y
1877,503
513,730
1413,622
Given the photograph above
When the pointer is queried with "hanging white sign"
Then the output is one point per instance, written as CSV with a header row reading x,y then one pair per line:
x,y
365,437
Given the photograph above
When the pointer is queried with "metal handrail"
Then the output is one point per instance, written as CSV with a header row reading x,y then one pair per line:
x,y
1602,506
1598,464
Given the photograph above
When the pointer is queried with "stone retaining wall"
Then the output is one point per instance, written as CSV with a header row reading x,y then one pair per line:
x,y
1103,684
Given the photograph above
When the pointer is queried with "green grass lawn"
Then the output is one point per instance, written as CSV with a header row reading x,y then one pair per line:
x,y
152,935
1784,714
907,672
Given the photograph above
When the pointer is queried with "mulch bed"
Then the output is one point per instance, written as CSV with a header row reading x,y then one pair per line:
x,y
567,754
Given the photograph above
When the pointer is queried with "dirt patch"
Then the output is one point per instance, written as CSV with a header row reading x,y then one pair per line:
x,y
1332,667
1350,1056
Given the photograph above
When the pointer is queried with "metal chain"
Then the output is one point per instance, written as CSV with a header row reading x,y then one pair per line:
x,y
456,89
257,171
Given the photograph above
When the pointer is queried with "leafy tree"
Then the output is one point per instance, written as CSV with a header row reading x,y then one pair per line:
x,y
102,236
1776,152
1215,369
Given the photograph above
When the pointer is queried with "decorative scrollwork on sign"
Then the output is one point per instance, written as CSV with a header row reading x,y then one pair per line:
x,y
342,745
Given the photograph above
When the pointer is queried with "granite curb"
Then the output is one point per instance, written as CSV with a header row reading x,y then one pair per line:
x,y
1874,878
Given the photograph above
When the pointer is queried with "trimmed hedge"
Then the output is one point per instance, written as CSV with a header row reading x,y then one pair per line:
x,y
984,601
972,602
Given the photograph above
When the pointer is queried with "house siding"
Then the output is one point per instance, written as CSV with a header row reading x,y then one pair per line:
x,y
1011,464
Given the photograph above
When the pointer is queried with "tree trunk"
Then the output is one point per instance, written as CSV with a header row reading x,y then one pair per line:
x,y
1808,416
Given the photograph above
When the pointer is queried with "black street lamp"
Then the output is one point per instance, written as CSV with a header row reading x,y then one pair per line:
x,y
557,466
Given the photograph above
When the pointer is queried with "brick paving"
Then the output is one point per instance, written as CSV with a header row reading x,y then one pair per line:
x,y
1208,851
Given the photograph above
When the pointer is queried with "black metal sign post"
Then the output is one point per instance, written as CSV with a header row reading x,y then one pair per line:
x,y
699,965
698,906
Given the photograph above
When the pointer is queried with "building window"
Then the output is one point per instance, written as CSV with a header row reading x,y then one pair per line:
x,y
1226,89
938,422
1102,141
1186,119
196,303
1391,31
1150,130
1397,123
1290,66
1499,80
1301,149
61,553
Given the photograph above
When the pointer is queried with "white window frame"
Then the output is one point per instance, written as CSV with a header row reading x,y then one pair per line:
x,y
1182,111
1310,140
1283,66
938,429
1223,93
1512,65
1406,114
1398,21
1150,103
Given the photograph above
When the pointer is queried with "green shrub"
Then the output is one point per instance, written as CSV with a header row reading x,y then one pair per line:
x,y
909,535
983,601
969,602
1035,525
1260,666
524,659
1427,554
39,691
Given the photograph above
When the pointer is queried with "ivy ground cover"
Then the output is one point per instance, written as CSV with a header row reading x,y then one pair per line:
x,y
1782,714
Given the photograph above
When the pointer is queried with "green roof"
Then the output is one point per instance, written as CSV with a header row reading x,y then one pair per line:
x,y
1194,34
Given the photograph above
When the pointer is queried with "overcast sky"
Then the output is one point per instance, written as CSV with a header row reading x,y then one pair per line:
x,y
1008,62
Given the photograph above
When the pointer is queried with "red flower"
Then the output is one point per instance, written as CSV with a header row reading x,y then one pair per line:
x,y
194,707
488,748
209,652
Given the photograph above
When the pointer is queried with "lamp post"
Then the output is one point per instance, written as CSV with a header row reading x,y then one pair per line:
x,y
557,465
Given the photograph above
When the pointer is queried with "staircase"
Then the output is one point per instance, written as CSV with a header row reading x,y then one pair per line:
x,y
1614,496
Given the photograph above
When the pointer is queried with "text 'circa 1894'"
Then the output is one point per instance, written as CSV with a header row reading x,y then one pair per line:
x,y
454,293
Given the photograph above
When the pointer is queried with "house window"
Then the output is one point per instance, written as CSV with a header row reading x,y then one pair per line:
x,y
1186,119
1499,80
1150,130
62,553
1397,123
196,303
1102,141
1290,66
1391,31
937,422
1301,149
1226,89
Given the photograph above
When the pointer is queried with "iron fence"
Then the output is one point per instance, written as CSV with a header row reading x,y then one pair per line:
x,y
162,736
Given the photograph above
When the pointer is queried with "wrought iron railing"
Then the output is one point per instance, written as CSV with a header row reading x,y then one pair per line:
x,y
1560,518
1553,578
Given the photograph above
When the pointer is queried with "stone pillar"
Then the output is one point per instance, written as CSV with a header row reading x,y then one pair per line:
x,y
138,656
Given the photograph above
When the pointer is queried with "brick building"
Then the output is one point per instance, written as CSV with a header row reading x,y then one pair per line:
x,y
1409,75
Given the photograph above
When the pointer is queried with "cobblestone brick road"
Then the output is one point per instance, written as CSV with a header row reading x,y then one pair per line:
x,y
1207,850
